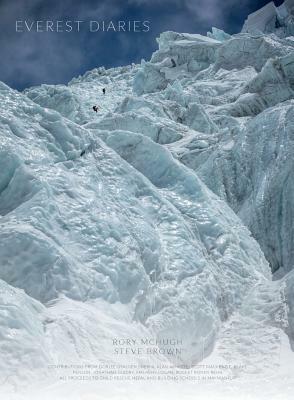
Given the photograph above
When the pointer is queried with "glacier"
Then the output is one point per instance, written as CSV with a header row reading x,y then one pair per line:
x,y
166,214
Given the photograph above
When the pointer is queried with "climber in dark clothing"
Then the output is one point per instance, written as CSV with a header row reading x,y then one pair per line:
x,y
103,90
173,62
95,108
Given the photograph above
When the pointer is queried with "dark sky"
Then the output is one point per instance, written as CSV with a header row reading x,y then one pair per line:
x,y
32,58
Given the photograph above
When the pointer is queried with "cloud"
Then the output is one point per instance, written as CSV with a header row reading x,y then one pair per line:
x,y
211,11
31,59
207,11
39,59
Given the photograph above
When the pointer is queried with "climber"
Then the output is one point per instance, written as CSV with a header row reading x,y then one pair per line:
x,y
95,108
103,90
173,62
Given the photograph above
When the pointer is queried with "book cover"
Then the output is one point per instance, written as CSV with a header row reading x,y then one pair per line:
x,y
146,200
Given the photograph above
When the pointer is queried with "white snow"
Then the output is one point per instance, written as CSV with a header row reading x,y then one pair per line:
x,y
158,217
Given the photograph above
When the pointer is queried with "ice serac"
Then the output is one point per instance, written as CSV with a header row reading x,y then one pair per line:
x,y
229,102
132,226
272,19
178,55
160,215
263,20
260,188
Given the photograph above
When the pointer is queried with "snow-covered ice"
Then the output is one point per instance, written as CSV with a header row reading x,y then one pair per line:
x,y
166,214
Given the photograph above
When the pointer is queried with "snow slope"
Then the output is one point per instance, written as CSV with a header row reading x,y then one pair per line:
x,y
159,216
